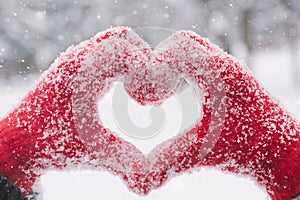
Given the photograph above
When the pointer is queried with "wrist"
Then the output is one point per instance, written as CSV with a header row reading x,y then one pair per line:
x,y
17,150
286,181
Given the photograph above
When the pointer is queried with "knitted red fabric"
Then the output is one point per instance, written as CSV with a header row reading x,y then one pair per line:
x,y
257,136
41,133
243,130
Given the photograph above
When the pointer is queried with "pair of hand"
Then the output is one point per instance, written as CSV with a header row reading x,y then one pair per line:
x,y
243,130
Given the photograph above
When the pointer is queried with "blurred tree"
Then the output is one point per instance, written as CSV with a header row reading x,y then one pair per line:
x,y
32,32
292,29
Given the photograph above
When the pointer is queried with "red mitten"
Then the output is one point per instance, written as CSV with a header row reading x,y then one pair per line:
x,y
44,131
249,132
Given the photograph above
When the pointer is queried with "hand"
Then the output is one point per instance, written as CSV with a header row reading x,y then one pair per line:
x,y
256,136
42,132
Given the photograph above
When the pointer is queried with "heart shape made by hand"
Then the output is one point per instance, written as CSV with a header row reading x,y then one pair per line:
x,y
150,76
242,130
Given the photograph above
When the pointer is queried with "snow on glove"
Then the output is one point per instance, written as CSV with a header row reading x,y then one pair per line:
x,y
254,135
43,132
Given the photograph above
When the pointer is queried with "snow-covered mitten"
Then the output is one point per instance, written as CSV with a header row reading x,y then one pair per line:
x,y
253,134
44,131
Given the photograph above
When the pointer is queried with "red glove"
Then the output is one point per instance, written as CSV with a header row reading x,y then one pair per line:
x,y
43,132
248,133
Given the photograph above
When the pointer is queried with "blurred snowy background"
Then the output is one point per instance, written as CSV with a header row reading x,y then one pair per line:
x,y
264,34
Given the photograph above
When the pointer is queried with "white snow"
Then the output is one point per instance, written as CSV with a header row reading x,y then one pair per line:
x,y
176,115
207,184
